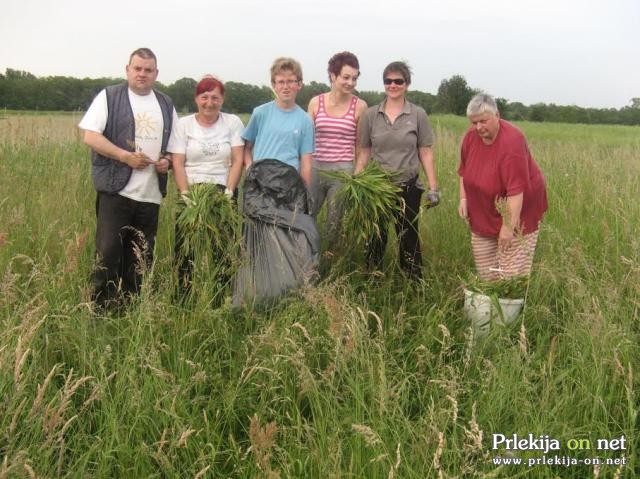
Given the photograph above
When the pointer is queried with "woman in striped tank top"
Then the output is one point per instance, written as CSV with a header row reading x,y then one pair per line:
x,y
335,116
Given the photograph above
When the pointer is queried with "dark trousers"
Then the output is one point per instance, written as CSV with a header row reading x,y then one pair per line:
x,y
125,238
406,225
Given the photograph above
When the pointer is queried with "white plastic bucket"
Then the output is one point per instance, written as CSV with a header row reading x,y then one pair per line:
x,y
481,310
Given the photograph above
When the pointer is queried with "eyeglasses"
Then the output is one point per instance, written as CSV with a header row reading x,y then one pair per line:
x,y
397,81
281,83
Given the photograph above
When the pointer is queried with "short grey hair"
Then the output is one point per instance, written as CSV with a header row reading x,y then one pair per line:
x,y
482,103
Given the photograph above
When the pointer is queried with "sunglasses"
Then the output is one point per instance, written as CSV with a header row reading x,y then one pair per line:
x,y
397,81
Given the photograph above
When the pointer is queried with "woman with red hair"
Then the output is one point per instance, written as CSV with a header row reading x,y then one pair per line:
x,y
209,143
209,149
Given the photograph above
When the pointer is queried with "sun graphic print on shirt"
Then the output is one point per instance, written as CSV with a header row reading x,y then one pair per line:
x,y
146,126
209,148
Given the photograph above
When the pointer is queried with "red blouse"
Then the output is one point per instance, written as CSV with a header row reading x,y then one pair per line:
x,y
504,168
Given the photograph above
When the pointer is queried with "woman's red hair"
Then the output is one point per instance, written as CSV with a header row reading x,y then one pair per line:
x,y
209,84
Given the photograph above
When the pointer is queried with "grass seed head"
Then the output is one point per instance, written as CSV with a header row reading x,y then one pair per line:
x,y
263,439
370,436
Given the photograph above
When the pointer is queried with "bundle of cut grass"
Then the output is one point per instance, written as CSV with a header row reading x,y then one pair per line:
x,y
507,288
370,201
210,231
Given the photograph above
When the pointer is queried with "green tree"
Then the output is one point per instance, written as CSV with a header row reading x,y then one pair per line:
x,y
21,90
371,97
454,95
309,91
503,107
182,92
425,100
17,90
537,112
11,74
243,97
515,111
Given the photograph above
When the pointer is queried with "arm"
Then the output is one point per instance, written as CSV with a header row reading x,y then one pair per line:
x,y
363,158
363,142
165,161
514,174
361,107
247,155
305,169
425,153
514,206
235,172
425,141
510,222
312,109
180,173
462,205
250,135
426,158
99,143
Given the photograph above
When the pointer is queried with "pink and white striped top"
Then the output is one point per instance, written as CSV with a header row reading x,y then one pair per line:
x,y
335,137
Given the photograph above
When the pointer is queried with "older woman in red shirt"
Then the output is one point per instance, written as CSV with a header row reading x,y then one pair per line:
x,y
502,193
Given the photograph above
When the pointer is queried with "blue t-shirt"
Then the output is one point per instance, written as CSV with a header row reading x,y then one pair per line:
x,y
279,134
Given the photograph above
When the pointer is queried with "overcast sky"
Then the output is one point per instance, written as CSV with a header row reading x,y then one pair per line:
x,y
582,52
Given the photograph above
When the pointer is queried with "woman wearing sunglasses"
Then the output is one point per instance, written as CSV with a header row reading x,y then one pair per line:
x,y
397,134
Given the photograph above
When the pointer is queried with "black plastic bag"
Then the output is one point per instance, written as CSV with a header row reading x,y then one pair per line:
x,y
281,240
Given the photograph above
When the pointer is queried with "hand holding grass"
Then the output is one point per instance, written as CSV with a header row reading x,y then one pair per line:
x,y
370,200
136,160
505,237
509,209
433,198
209,219
186,199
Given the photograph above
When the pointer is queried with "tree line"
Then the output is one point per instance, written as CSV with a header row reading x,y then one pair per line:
x,y
20,90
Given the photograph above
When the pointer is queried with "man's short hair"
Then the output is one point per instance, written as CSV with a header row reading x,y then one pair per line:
x,y
482,103
145,53
286,64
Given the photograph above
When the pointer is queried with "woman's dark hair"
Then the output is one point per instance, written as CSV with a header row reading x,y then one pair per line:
x,y
337,61
398,67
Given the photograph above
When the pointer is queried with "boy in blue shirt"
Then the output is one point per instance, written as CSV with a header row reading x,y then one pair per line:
x,y
280,129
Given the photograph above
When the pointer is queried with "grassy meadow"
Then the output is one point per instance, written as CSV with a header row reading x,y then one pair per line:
x,y
359,377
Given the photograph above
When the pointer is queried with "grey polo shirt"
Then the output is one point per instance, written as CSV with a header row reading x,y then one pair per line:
x,y
395,146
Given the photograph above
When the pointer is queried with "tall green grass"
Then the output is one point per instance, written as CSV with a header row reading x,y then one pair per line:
x,y
357,377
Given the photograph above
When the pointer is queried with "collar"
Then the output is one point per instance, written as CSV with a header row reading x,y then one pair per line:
x,y
405,109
